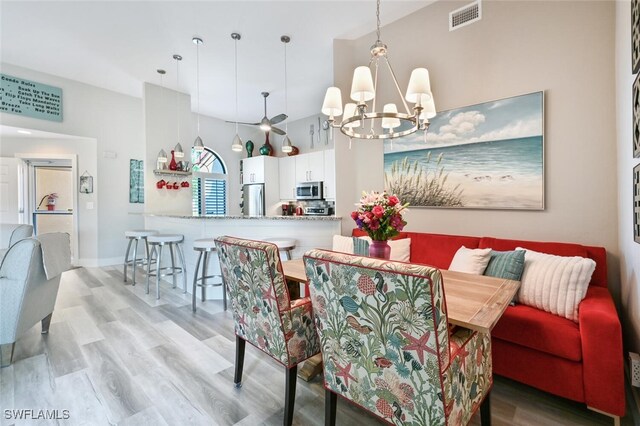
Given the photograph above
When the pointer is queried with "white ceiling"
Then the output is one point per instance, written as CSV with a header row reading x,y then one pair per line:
x,y
118,45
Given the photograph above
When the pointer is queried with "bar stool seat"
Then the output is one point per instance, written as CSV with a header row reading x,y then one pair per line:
x,y
135,236
157,243
283,244
206,246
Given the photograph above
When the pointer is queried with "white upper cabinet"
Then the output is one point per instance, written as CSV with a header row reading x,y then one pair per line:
x,y
287,172
310,167
253,168
330,174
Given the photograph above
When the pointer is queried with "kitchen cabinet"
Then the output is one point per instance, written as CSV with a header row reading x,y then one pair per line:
x,y
330,174
287,173
254,169
310,167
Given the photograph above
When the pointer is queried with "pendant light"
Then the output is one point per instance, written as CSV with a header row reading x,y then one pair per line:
x,y
237,142
178,152
197,144
162,155
392,124
286,142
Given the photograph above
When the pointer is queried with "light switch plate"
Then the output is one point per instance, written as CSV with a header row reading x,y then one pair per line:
x,y
89,205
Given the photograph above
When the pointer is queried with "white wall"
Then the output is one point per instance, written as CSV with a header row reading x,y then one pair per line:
x,y
85,149
115,121
161,130
629,250
564,48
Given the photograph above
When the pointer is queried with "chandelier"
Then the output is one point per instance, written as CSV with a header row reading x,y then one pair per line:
x,y
358,123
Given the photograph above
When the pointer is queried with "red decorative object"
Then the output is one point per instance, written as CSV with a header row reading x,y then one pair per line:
x,y
380,249
175,185
173,165
160,184
294,151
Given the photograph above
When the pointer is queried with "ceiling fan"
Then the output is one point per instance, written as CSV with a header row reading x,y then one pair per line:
x,y
267,124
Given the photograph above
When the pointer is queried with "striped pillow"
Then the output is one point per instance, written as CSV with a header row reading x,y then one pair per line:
x,y
360,246
506,264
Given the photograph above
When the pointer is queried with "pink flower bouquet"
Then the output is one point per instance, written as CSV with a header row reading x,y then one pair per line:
x,y
379,215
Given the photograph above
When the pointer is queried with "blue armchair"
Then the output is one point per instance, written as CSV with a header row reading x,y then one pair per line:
x,y
29,287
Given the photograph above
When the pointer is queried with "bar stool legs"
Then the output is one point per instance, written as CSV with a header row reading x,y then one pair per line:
x,y
157,243
205,247
134,238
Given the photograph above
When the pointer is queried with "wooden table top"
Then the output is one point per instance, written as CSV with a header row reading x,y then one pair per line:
x,y
473,301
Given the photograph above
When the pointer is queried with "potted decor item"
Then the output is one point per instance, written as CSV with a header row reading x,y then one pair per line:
x,y
249,146
380,216
267,148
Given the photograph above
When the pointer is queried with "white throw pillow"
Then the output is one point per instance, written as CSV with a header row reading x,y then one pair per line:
x,y
471,261
555,284
400,249
343,244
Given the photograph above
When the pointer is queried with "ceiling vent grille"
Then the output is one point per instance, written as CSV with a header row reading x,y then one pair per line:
x,y
465,15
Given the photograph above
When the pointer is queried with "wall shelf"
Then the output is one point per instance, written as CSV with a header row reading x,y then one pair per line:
x,y
175,173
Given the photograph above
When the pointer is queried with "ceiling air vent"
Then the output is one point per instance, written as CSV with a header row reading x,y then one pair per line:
x,y
465,15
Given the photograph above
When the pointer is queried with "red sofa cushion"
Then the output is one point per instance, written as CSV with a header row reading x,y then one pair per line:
x,y
598,254
539,330
438,249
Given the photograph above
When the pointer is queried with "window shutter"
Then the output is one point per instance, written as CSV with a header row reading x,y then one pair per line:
x,y
215,198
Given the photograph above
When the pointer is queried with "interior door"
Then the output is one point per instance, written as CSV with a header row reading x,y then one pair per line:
x,y
9,191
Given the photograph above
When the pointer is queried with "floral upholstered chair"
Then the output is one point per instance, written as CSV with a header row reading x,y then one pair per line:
x,y
263,313
386,345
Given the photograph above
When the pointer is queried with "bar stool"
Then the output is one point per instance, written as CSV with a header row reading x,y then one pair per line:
x,y
284,244
136,236
206,246
157,242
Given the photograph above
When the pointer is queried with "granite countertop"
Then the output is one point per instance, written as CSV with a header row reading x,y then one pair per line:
x,y
214,217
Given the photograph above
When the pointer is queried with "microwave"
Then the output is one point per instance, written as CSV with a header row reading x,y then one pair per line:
x,y
309,191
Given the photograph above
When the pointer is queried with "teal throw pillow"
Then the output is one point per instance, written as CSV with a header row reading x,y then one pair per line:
x,y
506,264
360,246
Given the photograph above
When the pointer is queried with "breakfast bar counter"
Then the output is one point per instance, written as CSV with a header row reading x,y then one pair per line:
x,y
308,231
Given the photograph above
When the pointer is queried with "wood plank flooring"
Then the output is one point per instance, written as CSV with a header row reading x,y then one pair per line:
x,y
115,355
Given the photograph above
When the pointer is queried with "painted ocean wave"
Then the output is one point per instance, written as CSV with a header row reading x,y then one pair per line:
x,y
493,161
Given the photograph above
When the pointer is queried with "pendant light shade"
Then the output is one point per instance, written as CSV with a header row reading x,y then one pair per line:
x,y
332,105
387,122
177,151
197,144
419,85
236,145
350,111
429,106
286,144
362,89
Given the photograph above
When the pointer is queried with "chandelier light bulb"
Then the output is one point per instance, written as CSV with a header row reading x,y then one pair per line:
x,y
332,105
362,89
390,123
419,85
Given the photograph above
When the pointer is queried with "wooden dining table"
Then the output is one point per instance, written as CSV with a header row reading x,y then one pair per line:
x,y
473,301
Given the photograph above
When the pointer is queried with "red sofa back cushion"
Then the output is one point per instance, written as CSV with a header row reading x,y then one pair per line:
x,y
432,249
598,254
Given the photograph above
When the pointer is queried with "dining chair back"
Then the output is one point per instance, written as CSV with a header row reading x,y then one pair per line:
x,y
263,313
386,344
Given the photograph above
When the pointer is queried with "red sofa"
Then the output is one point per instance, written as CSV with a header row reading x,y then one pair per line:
x,y
582,362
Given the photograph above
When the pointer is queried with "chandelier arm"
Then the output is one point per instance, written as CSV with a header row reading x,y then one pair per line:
x,y
395,80
375,90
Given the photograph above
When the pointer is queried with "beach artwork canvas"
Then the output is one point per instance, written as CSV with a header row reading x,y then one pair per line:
x,y
487,156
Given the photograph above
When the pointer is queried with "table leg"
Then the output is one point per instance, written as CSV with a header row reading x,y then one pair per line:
x,y
311,368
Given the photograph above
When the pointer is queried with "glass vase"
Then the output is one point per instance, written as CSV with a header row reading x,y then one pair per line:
x,y
380,249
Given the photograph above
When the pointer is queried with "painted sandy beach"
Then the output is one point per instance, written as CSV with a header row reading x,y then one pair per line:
x,y
489,155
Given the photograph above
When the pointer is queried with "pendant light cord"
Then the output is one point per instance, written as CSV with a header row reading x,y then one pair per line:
x,y
378,19
286,93
198,81
235,45
178,95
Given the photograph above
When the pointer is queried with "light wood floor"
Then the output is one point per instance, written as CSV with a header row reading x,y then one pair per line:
x,y
117,356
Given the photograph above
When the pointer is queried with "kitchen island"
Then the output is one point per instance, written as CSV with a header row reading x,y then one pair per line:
x,y
308,231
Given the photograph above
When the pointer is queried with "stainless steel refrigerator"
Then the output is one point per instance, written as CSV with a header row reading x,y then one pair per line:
x,y
253,199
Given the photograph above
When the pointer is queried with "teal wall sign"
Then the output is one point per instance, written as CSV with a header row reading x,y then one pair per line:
x,y
31,99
